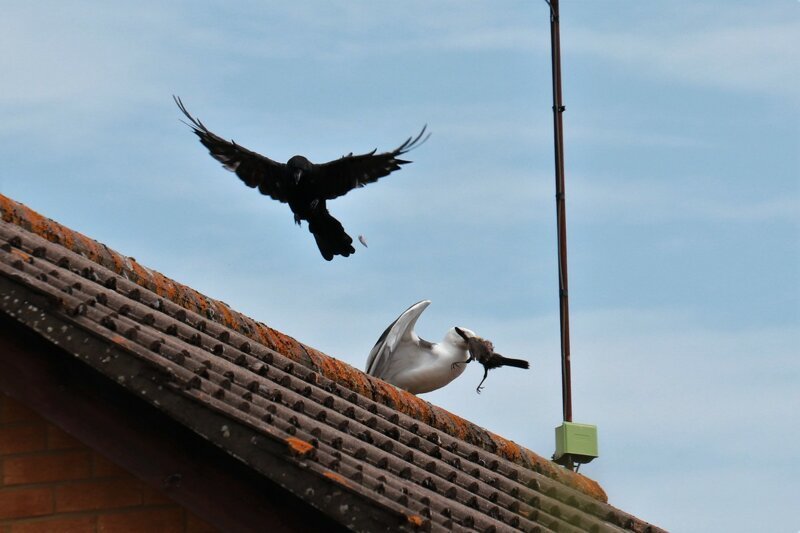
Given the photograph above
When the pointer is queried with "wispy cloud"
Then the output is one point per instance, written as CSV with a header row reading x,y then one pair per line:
x,y
749,56
630,137
51,54
595,198
737,47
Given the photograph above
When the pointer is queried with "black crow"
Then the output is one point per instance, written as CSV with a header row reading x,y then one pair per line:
x,y
304,185
482,350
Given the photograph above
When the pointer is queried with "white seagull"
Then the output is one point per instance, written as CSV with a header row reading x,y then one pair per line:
x,y
416,365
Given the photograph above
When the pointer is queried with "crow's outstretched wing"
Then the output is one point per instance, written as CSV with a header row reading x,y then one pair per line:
x,y
336,178
254,169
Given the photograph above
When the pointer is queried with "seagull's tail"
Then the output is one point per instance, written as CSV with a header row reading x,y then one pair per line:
x,y
330,235
507,361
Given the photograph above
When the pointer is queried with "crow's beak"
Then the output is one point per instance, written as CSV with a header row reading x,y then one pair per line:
x,y
461,333
297,175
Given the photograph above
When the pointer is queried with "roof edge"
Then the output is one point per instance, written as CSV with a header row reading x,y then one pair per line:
x,y
20,215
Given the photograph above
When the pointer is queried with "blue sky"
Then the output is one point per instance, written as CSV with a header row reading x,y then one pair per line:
x,y
682,138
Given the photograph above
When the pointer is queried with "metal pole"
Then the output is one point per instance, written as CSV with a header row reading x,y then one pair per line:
x,y
561,215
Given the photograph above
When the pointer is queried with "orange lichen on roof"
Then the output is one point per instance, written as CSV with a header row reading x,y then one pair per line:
x,y
299,446
456,426
226,315
317,357
334,369
567,477
341,372
119,339
341,480
508,449
167,287
22,255
588,486
415,520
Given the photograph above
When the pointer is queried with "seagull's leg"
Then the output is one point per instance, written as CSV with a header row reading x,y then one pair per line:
x,y
462,362
485,373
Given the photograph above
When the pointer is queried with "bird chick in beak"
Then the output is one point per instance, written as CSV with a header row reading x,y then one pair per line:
x,y
482,350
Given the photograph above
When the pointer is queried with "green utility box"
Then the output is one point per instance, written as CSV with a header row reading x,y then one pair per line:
x,y
575,443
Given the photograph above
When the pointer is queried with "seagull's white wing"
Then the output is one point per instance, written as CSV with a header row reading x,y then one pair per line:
x,y
398,331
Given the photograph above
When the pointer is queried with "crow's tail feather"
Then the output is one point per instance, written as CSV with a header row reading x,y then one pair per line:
x,y
517,363
330,236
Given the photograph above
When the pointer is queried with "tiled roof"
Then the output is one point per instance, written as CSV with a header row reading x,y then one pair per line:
x,y
341,429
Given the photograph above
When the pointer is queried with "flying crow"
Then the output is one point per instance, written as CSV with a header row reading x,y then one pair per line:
x,y
304,185
416,365
482,351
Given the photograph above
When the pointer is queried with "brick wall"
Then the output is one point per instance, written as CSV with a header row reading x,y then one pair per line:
x,y
51,483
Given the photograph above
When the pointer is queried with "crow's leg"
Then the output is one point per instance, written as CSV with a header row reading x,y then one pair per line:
x,y
485,373
297,219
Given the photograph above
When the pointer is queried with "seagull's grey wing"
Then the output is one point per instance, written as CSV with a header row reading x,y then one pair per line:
x,y
402,329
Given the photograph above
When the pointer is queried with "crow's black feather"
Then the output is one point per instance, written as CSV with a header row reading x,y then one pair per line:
x,y
304,185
